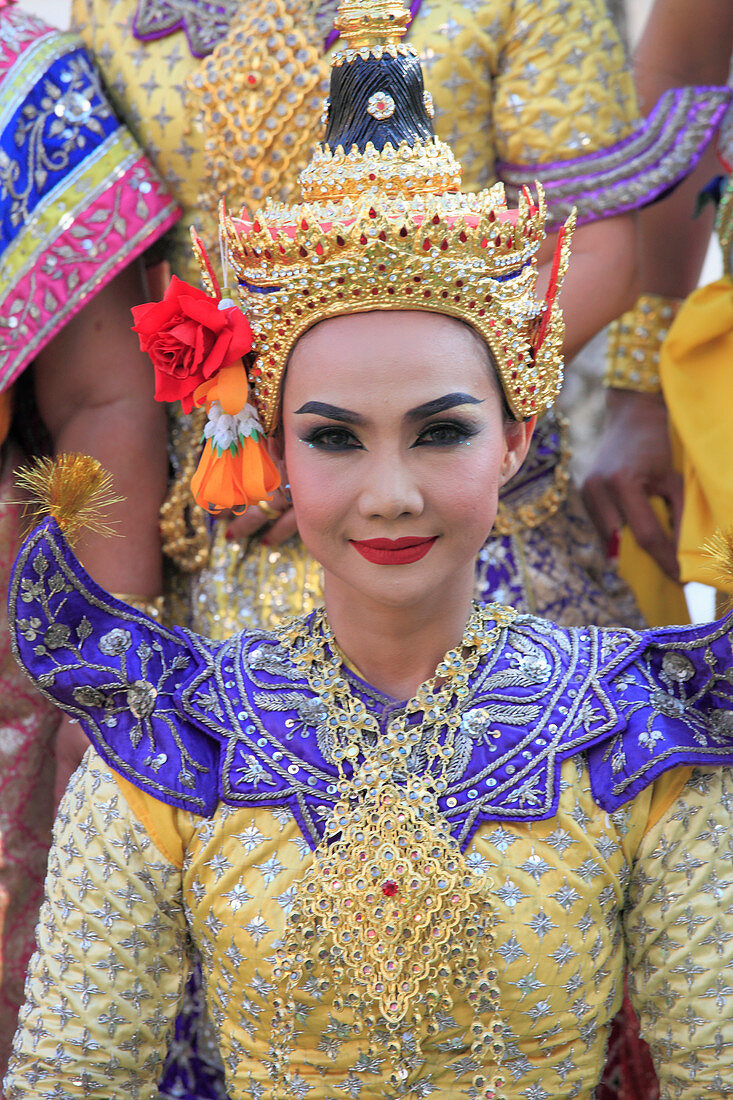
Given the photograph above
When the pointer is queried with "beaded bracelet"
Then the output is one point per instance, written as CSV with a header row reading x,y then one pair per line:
x,y
153,607
634,342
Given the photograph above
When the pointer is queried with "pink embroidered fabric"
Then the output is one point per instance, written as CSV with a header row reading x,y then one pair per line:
x,y
83,200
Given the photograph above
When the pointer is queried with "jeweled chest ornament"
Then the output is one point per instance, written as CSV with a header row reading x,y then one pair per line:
x,y
390,917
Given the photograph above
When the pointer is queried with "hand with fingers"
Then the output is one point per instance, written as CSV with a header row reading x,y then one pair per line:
x,y
632,464
275,519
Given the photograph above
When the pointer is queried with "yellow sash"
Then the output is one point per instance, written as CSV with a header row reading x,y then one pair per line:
x,y
696,367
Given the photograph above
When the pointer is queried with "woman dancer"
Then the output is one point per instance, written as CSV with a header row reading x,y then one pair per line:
x,y
403,898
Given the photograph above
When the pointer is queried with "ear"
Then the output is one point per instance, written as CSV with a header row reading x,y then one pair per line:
x,y
517,438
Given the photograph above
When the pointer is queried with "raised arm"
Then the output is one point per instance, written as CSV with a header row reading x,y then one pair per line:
x,y
94,390
682,44
601,280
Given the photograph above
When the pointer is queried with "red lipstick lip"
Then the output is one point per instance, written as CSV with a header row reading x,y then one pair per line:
x,y
403,551
394,544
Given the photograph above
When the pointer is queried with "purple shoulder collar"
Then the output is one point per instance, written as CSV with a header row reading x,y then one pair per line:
x,y
116,671
635,704
194,722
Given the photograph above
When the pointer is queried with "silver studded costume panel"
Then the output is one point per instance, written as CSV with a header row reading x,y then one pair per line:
x,y
570,893
679,927
105,982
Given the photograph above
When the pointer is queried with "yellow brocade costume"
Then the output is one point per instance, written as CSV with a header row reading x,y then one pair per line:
x,y
440,896
576,896
498,851
517,86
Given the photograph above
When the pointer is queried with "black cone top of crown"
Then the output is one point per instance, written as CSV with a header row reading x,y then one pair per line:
x,y
353,84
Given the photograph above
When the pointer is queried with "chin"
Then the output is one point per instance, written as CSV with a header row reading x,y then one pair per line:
x,y
402,586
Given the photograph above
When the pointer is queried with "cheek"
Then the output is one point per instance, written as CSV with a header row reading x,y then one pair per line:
x,y
319,488
468,487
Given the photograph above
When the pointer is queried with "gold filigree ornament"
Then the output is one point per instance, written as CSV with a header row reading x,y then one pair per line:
x,y
256,100
513,518
635,341
390,916
464,256
365,24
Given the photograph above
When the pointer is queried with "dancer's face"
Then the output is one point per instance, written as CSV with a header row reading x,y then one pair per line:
x,y
395,446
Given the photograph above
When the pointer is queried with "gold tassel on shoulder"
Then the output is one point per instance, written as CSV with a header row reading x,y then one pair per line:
x,y
74,489
719,549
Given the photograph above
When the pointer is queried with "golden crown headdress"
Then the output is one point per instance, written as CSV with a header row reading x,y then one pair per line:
x,y
382,224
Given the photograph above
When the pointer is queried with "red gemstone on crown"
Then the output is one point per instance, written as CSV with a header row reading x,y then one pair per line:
x,y
389,888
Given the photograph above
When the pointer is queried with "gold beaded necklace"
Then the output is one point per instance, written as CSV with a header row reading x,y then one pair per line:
x,y
389,913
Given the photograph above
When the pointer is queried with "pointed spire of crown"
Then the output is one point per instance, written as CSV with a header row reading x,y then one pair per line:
x,y
368,23
383,224
379,135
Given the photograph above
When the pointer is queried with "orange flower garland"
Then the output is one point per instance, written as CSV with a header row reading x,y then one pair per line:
x,y
196,343
235,469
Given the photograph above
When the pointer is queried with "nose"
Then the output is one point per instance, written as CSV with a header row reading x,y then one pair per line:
x,y
389,489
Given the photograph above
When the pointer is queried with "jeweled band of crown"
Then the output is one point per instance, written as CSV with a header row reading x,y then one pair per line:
x,y
424,168
462,255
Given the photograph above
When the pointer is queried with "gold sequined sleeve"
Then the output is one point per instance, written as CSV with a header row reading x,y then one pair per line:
x,y
563,88
104,984
566,114
679,928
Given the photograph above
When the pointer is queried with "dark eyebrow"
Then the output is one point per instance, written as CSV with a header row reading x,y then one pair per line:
x,y
441,404
333,412
345,416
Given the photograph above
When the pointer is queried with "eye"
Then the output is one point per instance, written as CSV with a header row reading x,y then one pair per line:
x,y
445,433
332,439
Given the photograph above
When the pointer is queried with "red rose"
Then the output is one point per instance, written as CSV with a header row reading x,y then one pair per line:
x,y
188,339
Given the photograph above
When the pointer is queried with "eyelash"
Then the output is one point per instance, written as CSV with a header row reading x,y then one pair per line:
x,y
323,438
461,433
319,437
